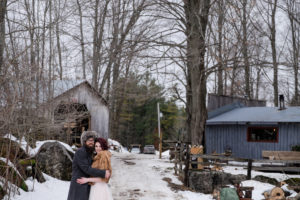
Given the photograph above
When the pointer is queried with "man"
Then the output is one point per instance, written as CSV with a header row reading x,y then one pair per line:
x,y
81,167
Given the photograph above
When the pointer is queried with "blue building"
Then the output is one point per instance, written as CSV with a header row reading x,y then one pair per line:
x,y
247,131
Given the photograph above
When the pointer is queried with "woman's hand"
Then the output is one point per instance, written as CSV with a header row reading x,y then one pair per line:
x,y
82,180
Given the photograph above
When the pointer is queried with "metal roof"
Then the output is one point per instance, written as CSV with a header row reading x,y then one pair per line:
x,y
257,115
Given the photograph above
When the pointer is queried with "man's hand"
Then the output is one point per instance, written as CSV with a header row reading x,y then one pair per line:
x,y
107,174
82,180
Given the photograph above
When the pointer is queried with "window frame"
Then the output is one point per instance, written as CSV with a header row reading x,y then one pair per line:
x,y
262,127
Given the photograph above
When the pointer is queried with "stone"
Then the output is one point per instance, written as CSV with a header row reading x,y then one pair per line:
x,y
207,181
29,168
13,148
13,176
55,160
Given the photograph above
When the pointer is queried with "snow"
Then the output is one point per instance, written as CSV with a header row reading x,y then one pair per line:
x,y
32,151
143,177
240,170
50,190
259,188
10,164
40,143
112,142
13,188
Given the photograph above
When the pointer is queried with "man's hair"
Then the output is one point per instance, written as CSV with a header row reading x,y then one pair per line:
x,y
86,135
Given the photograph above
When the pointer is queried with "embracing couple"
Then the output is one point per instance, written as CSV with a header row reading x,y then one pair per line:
x,y
90,175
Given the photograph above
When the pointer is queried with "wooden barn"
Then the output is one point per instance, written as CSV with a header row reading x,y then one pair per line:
x,y
77,107
247,131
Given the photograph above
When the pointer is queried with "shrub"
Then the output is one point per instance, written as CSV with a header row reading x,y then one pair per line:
x,y
296,148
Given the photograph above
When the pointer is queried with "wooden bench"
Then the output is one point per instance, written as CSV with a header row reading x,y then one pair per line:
x,y
281,155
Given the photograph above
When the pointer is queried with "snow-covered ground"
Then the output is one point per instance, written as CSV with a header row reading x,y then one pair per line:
x,y
140,177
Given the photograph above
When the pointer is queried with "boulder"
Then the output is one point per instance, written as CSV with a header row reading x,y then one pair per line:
x,y
293,183
55,160
12,175
17,156
12,149
29,168
2,192
207,181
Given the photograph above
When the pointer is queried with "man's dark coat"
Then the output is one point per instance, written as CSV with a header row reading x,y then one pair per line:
x,y
81,167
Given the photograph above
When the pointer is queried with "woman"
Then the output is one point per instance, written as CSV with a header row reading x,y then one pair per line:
x,y
99,188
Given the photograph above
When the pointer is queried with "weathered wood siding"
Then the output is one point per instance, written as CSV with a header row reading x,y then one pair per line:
x,y
217,101
218,137
98,110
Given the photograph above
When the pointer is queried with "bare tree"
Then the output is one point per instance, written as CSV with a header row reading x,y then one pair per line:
x,y
81,40
273,5
3,5
293,8
221,10
196,18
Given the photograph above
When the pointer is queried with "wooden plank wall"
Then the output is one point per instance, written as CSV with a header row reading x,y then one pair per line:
x,y
217,101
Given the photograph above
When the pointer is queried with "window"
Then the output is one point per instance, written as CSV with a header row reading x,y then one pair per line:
x,y
262,134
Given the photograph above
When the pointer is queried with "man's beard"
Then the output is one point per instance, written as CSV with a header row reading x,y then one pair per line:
x,y
90,150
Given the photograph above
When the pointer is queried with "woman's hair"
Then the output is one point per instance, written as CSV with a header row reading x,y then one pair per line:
x,y
103,143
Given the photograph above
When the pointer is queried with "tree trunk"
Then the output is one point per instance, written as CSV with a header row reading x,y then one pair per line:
x,y
293,10
58,46
219,47
82,40
257,83
3,5
95,48
245,49
51,52
233,76
274,56
196,12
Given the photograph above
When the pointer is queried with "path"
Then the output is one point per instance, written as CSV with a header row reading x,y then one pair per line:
x,y
140,177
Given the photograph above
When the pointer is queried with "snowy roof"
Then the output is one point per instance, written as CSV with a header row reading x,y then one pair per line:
x,y
260,115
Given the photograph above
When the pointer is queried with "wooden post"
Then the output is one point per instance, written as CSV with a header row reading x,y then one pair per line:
x,y
249,169
187,166
160,144
159,133
90,123
176,160
180,157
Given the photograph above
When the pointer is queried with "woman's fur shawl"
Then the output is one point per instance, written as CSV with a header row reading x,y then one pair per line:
x,y
102,161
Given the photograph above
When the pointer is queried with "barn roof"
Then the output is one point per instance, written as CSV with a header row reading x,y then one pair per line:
x,y
64,87
256,115
61,86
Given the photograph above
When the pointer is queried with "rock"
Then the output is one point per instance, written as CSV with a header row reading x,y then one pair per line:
x,y
30,169
12,175
207,181
265,179
2,192
54,159
19,158
15,152
294,183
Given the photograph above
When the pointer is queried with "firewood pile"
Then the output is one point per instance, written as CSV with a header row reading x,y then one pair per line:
x,y
275,194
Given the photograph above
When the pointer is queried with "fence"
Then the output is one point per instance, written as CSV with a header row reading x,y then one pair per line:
x,y
183,163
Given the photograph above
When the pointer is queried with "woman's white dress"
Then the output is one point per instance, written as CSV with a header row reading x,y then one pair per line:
x,y
100,191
